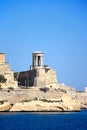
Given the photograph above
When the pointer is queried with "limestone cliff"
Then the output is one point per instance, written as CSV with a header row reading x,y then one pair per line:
x,y
41,99
66,104
82,99
4,106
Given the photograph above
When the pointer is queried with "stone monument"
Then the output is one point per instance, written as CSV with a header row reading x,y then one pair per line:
x,y
39,75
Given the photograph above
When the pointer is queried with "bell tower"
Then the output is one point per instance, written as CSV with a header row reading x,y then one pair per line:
x,y
37,60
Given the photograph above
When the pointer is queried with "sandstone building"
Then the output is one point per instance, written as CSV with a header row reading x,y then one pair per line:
x,y
7,73
39,75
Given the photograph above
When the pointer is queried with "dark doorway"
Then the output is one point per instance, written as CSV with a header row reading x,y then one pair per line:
x,y
38,60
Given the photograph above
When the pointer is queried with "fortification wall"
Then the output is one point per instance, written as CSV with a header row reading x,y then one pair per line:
x,y
37,77
51,79
40,79
8,74
45,78
26,78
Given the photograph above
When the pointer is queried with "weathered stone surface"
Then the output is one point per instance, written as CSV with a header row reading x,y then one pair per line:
x,y
82,96
7,73
59,98
45,106
71,104
17,95
51,78
35,106
39,77
5,106
52,100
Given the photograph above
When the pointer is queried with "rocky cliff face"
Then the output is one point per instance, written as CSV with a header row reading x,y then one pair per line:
x,y
48,105
59,98
82,96
4,106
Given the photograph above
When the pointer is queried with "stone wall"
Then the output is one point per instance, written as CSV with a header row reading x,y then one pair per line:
x,y
40,79
25,78
45,78
8,74
2,58
51,79
83,99
37,77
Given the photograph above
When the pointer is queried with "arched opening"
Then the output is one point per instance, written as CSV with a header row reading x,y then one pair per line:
x,y
39,61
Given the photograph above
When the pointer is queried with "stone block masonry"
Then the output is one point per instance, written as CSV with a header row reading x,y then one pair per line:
x,y
51,79
2,57
7,73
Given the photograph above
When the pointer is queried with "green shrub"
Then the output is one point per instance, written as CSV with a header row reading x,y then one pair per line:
x,y
45,89
35,99
0,88
50,101
26,101
1,102
11,88
44,100
9,91
2,79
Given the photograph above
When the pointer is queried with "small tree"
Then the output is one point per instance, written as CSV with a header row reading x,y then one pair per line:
x,y
45,89
11,88
2,79
0,87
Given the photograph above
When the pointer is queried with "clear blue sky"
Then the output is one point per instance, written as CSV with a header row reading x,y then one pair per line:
x,y
56,27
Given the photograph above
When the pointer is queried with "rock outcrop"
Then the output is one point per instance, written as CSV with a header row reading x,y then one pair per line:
x,y
58,99
82,96
4,106
38,106
66,103
69,103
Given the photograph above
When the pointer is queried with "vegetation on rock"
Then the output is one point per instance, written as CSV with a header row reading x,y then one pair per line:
x,y
2,79
45,89
11,88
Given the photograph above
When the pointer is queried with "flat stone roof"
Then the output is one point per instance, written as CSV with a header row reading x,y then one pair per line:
x,y
2,53
37,52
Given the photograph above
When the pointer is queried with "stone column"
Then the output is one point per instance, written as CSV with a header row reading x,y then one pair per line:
x,y
41,60
36,60
32,60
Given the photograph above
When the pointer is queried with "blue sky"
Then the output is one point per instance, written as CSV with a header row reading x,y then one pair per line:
x,y
56,27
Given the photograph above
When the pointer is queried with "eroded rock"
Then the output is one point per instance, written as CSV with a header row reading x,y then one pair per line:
x,y
4,106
